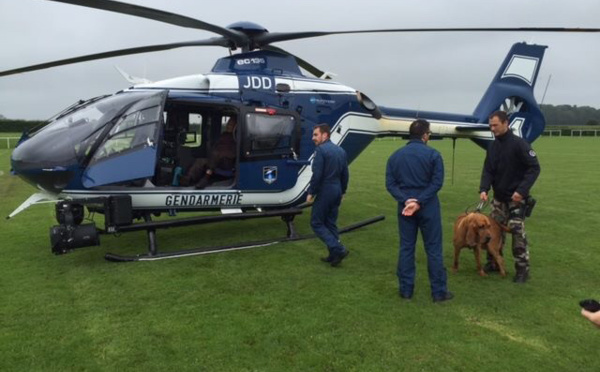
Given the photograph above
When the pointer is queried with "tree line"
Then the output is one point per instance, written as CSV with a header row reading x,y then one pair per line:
x,y
17,126
571,115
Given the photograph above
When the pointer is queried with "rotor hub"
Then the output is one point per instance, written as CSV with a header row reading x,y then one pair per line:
x,y
248,28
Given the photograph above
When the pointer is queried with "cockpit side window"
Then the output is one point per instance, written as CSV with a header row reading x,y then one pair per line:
x,y
132,131
193,138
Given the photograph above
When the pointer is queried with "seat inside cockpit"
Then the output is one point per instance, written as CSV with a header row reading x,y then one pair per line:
x,y
199,147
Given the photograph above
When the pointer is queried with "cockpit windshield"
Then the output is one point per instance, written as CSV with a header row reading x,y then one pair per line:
x,y
69,138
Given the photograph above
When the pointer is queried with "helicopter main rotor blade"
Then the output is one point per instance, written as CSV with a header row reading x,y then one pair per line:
x,y
302,63
159,15
273,37
217,41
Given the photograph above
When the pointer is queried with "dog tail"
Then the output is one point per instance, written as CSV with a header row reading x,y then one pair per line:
x,y
511,90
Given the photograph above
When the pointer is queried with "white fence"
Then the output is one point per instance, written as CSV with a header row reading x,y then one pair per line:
x,y
572,133
8,142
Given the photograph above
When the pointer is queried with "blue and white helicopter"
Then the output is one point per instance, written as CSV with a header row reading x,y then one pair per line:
x,y
123,154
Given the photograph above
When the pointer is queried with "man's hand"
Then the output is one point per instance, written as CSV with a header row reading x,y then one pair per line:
x,y
411,206
310,198
483,196
516,197
592,317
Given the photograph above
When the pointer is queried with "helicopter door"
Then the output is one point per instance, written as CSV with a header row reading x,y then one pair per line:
x,y
129,151
269,148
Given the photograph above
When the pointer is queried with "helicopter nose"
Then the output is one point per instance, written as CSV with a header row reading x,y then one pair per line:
x,y
40,170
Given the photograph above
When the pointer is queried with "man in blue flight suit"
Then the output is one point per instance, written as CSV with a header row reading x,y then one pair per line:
x,y
415,173
327,187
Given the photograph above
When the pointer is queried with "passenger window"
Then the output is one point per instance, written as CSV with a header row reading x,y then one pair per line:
x,y
268,135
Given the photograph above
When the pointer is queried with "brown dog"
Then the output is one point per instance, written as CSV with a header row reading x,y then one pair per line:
x,y
479,232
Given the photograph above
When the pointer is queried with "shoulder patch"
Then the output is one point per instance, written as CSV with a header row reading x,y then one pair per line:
x,y
532,153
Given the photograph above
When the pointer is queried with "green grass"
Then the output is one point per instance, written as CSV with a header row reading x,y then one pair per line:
x,y
280,309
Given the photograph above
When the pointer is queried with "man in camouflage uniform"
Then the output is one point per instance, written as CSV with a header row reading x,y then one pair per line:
x,y
510,168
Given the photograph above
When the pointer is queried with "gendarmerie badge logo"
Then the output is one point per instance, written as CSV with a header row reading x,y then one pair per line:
x,y
270,174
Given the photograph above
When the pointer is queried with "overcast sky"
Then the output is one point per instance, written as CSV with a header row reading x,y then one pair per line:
x,y
435,72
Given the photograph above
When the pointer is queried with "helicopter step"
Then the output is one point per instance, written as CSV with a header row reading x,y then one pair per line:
x,y
286,215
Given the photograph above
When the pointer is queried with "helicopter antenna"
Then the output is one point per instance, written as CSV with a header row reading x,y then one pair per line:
x,y
327,75
546,89
132,79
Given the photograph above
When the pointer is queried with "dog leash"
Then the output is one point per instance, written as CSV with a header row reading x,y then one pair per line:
x,y
482,204
479,206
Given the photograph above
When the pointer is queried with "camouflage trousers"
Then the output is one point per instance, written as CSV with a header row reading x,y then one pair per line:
x,y
512,215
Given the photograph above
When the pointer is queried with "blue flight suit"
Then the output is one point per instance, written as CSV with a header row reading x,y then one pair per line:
x,y
416,171
328,184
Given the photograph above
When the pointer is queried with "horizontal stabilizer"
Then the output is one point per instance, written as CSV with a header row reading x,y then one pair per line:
x,y
511,91
473,128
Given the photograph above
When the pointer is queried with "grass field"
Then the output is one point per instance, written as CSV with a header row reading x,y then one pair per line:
x,y
281,309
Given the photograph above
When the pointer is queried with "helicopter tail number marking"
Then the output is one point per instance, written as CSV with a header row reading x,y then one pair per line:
x,y
257,82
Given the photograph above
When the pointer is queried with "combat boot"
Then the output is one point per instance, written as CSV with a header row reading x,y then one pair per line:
x,y
522,275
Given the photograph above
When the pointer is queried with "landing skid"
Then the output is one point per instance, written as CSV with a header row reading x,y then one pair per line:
x,y
287,216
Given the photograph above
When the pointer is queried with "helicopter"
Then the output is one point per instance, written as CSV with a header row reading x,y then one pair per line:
x,y
124,154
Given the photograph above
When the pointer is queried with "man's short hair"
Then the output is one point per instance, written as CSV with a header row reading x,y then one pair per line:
x,y
323,128
501,115
418,128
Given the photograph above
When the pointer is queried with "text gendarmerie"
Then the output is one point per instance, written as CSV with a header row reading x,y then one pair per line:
x,y
183,200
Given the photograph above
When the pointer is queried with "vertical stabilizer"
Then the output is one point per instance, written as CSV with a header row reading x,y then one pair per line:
x,y
511,90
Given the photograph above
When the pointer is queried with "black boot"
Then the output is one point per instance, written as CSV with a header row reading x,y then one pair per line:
x,y
522,275
337,259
